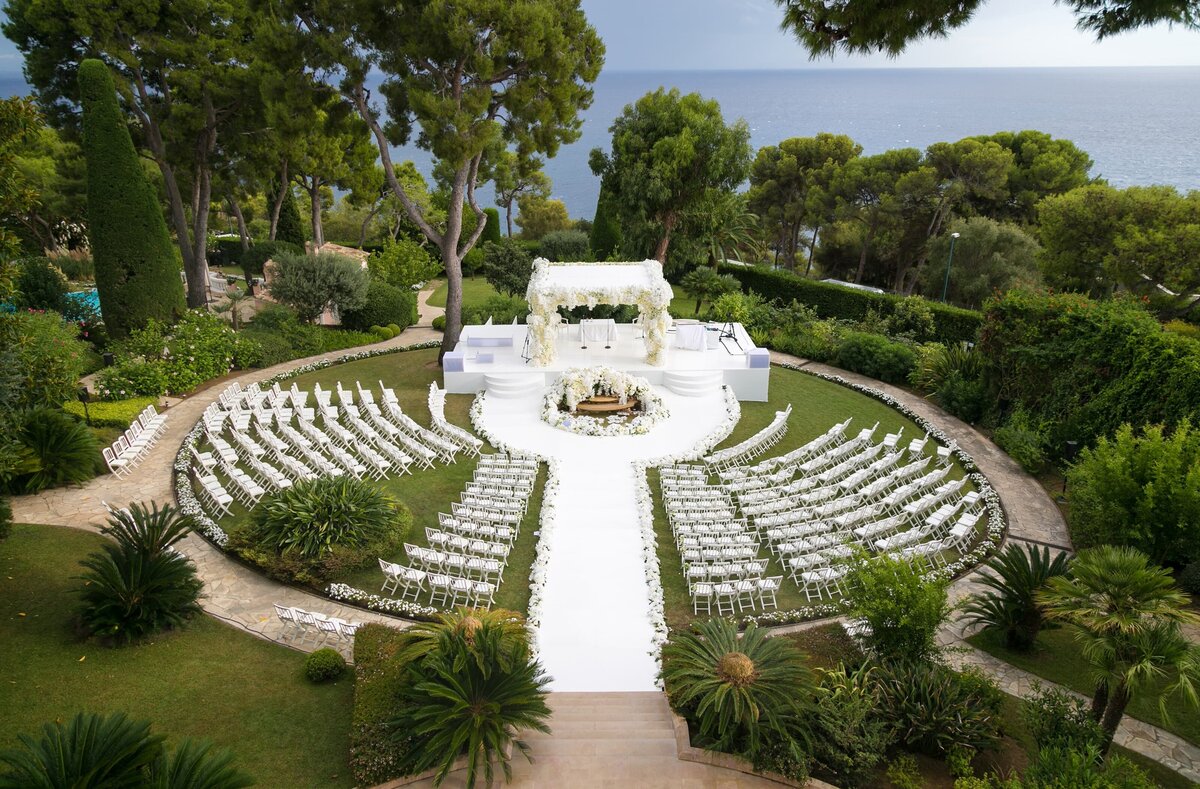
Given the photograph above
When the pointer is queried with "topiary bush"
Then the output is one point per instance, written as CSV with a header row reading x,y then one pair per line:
x,y
289,228
875,356
439,323
385,305
324,664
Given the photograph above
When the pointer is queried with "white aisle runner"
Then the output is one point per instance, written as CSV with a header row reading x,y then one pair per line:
x,y
596,633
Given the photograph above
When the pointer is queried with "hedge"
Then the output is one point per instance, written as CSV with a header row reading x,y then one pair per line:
x,y
225,252
137,276
953,324
374,750
386,305
111,413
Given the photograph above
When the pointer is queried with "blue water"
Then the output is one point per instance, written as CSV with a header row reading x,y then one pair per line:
x,y
1140,125
88,298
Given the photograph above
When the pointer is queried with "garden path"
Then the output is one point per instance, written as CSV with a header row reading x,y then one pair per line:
x,y
595,628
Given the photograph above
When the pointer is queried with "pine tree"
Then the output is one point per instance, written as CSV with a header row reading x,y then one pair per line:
x,y
289,228
137,271
606,232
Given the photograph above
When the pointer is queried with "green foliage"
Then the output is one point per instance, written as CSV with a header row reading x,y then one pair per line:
x,y
1183,329
968,399
740,693
565,245
133,378
1189,578
92,750
311,284
40,286
876,356
136,271
403,263
989,257
1024,440
1139,490
912,319
850,736
375,752
903,772
262,251
318,528
55,449
48,360
386,304
136,585
1057,768
439,323
903,608
20,121
289,230
501,309
6,517
279,337
705,284
76,267
472,686
1058,719
225,252
1042,166
507,266
540,215
606,229
491,230
1014,578
118,413
933,709
324,664
952,324
937,362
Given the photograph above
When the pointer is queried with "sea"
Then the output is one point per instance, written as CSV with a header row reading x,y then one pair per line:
x,y
1141,126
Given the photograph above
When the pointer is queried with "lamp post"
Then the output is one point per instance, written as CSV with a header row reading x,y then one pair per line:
x,y
949,260
84,396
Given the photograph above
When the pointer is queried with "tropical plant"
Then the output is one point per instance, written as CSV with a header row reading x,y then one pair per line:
x,y
937,362
741,692
1126,616
1014,578
934,709
195,765
902,607
137,585
56,448
235,298
472,686
313,517
726,227
705,284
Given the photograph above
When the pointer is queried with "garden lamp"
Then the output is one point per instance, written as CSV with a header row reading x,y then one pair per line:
x,y
84,397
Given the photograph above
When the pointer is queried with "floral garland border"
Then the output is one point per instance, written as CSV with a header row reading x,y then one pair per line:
x,y
997,524
189,504
654,409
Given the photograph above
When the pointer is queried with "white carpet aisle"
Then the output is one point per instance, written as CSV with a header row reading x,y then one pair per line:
x,y
595,633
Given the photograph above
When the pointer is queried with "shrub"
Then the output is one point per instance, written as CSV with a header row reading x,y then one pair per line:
x,y
119,413
40,286
198,348
403,263
137,586
1141,491
933,709
937,362
439,323
58,448
738,692
1014,579
1024,440
966,398
903,608
507,266
836,301
501,309
6,517
137,276
310,284
903,772
472,262
48,359
132,379
1183,329
1056,718
876,357
76,267
818,341
1084,769
491,230
565,245
225,252
1189,579
850,737
324,664
262,251
912,318
375,752
385,304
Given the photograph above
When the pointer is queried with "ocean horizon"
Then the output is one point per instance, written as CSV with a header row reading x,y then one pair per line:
x,y
1139,124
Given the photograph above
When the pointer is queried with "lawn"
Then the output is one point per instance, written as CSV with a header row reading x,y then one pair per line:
x,y
816,406
476,290
1057,657
429,491
208,681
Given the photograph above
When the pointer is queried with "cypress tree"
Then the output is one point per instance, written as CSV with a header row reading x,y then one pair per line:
x,y
137,272
289,228
606,232
491,231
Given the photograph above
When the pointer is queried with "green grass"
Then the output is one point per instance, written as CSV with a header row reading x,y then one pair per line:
x,y
426,491
816,406
1057,657
476,291
208,681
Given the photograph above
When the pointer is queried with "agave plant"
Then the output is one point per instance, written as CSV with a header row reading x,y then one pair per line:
x,y
134,586
1015,577
741,692
473,686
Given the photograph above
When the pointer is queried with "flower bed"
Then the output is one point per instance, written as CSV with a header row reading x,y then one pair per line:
x,y
579,384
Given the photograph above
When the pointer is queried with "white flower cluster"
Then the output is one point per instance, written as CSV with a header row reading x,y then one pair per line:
x,y
579,383
185,497
652,300
386,605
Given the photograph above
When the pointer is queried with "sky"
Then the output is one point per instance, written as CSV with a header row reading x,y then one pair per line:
x,y
744,34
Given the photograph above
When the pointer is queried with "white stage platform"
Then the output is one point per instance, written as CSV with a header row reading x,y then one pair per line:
x,y
496,350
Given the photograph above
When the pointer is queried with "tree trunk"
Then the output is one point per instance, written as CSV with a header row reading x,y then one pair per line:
x,y
197,267
278,204
862,260
243,232
508,217
1099,701
1113,714
812,250
362,231
314,196
660,252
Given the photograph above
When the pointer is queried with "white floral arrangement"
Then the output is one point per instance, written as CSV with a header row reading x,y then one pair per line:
x,y
579,383
387,605
652,301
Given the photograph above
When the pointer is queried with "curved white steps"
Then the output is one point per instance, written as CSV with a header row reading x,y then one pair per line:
x,y
513,385
693,383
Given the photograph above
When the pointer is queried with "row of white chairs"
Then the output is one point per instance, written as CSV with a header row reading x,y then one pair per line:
x,y
451,432
443,589
752,447
301,627
130,449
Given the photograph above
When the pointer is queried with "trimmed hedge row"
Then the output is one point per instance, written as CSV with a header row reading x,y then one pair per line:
x,y
374,750
954,324
111,413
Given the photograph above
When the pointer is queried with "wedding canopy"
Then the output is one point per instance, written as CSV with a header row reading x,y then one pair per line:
x,y
555,285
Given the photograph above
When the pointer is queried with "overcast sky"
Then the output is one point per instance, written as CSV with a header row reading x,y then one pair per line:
x,y
745,34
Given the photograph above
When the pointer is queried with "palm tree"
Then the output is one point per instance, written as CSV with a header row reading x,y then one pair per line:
x,y
1126,615
740,691
725,224
1011,607
195,765
234,299
473,686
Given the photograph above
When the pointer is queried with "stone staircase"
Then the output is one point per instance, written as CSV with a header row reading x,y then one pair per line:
x,y
511,385
693,383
